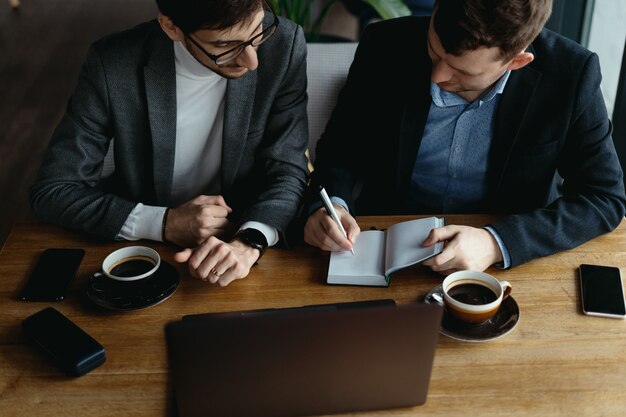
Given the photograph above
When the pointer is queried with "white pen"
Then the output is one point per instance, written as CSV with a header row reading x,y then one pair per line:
x,y
331,210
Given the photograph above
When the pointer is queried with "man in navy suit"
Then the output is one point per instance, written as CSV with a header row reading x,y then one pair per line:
x,y
477,109
207,109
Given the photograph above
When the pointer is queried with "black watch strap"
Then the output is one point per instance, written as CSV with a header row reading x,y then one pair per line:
x,y
253,238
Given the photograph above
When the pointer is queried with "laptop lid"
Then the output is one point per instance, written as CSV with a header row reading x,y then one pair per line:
x,y
305,363
291,310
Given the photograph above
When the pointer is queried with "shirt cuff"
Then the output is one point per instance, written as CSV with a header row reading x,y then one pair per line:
x,y
506,258
337,200
143,222
269,232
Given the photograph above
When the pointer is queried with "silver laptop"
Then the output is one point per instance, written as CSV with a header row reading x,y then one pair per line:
x,y
304,361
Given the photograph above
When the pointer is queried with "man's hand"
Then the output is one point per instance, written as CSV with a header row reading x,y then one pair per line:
x,y
466,248
321,230
218,261
195,221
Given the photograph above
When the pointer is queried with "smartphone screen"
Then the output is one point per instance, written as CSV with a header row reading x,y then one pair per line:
x,y
52,275
602,292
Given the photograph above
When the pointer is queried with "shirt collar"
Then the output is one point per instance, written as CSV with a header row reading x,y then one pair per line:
x,y
443,98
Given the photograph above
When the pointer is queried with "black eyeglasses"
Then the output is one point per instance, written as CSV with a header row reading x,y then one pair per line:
x,y
233,53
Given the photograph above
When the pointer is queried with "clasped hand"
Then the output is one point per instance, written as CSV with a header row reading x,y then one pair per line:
x,y
198,224
195,221
219,262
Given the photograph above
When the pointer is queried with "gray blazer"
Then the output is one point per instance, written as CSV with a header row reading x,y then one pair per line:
x,y
127,91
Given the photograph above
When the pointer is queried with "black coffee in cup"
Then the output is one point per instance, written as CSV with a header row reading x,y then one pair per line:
x,y
132,266
475,294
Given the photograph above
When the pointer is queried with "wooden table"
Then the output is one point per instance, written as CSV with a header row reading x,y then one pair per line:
x,y
557,362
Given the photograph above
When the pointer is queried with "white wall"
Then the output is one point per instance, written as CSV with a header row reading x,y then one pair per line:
x,y
607,36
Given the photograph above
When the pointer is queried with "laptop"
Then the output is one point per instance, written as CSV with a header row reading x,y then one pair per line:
x,y
311,360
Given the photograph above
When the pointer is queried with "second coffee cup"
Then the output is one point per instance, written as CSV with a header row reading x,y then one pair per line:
x,y
472,296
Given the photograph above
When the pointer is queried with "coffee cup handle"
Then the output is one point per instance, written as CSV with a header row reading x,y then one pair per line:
x,y
506,289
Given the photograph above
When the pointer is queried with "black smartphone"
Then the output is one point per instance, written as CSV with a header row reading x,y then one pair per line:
x,y
52,275
70,349
601,291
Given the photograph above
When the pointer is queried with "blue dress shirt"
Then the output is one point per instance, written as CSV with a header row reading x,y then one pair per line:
x,y
450,171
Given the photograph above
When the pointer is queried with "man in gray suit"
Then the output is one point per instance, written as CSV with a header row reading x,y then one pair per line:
x,y
207,106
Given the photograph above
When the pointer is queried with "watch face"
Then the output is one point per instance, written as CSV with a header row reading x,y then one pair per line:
x,y
252,237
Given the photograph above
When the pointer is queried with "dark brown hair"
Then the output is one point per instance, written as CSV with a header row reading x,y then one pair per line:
x,y
511,25
192,15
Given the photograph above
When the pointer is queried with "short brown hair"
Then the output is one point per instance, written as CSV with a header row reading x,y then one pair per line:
x,y
192,15
511,25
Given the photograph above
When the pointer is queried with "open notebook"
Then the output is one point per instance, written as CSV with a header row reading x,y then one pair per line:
x,y
380,253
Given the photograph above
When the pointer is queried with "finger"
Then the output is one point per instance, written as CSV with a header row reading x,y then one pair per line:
x,y
211,267
239,270
227,279
436,262
220,201
210,227
221,267
232,273
324,242
352,230
334,237
216,200
208,212
199,256
446,266
314,233
224,260
440,234
183,256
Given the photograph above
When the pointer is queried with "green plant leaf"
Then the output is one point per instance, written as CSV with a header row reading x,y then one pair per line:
x,y
300,12
322,16
388,9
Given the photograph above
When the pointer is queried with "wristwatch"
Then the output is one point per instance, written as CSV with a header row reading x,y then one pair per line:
x,y
253,238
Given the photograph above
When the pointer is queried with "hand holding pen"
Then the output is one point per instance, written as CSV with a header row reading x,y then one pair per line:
x,y
333,214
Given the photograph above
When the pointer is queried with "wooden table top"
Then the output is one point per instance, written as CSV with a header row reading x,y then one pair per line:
x,y
557,362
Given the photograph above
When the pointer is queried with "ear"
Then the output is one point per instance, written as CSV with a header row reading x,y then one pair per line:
x,y
170,29
520,60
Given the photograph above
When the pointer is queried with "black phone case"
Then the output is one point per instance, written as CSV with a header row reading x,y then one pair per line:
x,y
70,349
54,271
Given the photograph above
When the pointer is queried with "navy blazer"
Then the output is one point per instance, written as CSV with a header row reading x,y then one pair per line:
x,y
127,91
551,119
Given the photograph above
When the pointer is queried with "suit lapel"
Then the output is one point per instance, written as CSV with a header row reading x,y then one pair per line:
x,y
414,115
160,83
240,95
509,117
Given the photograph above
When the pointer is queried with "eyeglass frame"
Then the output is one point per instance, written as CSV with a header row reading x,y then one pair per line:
x,y
242,45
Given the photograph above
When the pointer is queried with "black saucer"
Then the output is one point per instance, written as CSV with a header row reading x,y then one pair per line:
x,y
502,323
133,295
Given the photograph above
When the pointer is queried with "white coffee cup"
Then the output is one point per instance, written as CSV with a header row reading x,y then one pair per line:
x,y
131,263
474,296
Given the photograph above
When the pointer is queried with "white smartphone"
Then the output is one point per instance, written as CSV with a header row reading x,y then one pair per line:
x,y
601,291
